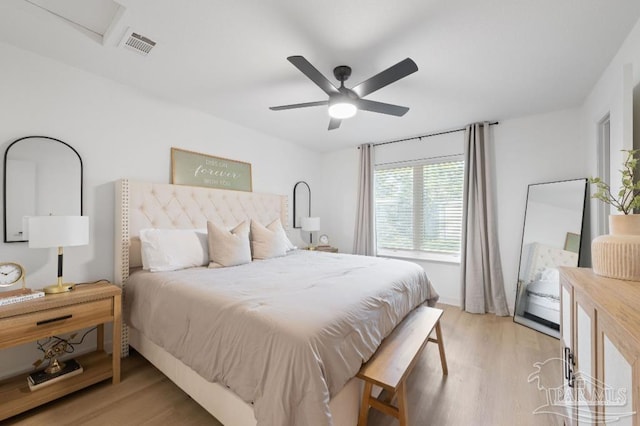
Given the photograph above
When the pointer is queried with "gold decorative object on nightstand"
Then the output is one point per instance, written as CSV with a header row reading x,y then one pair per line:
x,y
52,354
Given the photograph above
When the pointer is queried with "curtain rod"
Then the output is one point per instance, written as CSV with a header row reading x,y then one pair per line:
x,y
427,135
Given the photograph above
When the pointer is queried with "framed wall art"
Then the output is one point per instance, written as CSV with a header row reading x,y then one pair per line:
x,y
196,169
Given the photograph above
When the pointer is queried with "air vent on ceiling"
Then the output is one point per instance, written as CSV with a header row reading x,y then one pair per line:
x,y
138,43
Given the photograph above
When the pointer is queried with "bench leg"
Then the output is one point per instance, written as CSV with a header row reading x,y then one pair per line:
x,y
364,406
443,358
402,405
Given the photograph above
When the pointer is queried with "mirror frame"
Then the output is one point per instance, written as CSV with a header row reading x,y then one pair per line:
x,y
4,181
541,327
297,225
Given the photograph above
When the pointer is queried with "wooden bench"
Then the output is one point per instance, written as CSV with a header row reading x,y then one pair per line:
x,y
392,363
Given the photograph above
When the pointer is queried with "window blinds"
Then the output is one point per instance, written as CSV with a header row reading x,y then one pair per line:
x,y
419,206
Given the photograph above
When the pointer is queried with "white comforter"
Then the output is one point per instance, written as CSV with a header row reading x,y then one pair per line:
x,y
285,334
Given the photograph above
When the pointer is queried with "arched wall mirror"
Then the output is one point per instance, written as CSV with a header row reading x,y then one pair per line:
x,y
301,202
552,235
42,176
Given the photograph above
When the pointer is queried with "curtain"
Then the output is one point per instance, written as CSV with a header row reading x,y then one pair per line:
x,y
364,236
481,270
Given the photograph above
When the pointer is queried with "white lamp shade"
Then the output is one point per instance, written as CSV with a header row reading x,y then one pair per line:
x,y
58,231
310,224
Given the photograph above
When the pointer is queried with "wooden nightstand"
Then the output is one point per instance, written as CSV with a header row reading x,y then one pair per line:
x,y
87,306
327,249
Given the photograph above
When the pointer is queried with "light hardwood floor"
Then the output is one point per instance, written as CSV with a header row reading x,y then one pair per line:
x,y
490,359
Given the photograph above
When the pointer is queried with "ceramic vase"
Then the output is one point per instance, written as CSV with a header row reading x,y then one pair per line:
x,y
617,255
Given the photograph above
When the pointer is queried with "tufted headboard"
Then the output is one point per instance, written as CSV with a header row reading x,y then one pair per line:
x,y
141,205
541,256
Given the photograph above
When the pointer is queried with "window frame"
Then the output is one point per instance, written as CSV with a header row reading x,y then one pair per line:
x,y
418,212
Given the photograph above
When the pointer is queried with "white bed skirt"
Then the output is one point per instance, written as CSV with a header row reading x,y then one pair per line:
x,y
544,308
221,402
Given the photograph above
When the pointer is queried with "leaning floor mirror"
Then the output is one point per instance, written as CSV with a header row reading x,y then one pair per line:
x,y
551,238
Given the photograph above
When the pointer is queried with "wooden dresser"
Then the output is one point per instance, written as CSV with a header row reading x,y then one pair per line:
x,y
600,335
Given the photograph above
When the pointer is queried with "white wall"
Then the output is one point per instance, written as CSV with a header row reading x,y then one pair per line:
x,y
119,132
337,195
542,148
548,224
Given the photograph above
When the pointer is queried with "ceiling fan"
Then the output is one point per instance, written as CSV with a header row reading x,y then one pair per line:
x,y
344,102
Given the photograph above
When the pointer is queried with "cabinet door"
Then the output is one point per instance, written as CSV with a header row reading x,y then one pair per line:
x,y
567,345
585,385
566,316
619,372
566,340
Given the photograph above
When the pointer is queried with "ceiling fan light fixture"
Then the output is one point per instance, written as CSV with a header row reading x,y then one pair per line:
x,y
342,108
345,102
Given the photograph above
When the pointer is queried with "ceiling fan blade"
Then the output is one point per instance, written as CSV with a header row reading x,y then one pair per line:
x,y
334,123
303,105
314,75
381,107
386,77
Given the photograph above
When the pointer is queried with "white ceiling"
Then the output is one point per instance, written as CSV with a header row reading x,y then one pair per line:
x,y
478,60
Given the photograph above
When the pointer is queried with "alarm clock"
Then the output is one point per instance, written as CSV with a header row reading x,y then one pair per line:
x,y
324,239
10,273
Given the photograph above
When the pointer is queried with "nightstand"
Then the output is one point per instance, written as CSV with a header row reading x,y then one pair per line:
x,y
327,249
87,306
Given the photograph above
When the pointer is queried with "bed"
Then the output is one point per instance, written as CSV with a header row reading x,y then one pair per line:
x,y
542,281
374,296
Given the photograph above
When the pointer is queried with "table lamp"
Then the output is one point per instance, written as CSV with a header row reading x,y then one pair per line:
x,y
58,231
311,225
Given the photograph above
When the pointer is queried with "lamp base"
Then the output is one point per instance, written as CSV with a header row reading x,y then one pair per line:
x,y
59,288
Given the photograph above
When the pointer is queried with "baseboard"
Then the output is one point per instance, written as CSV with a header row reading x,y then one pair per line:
x,y
450,302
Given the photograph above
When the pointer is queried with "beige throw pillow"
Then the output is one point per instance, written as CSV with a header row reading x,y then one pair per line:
x,y
269,241
228,248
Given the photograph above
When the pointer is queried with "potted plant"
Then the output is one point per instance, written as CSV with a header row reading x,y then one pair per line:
x,y
617,255
628,197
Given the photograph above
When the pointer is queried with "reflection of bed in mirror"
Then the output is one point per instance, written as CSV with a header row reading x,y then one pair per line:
x,y
542,282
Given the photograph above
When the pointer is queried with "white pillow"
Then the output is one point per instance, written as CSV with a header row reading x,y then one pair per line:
x,y
228,248
268,241
172,249
549,274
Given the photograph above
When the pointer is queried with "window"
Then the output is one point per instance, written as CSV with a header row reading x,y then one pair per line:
x,y
419,208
